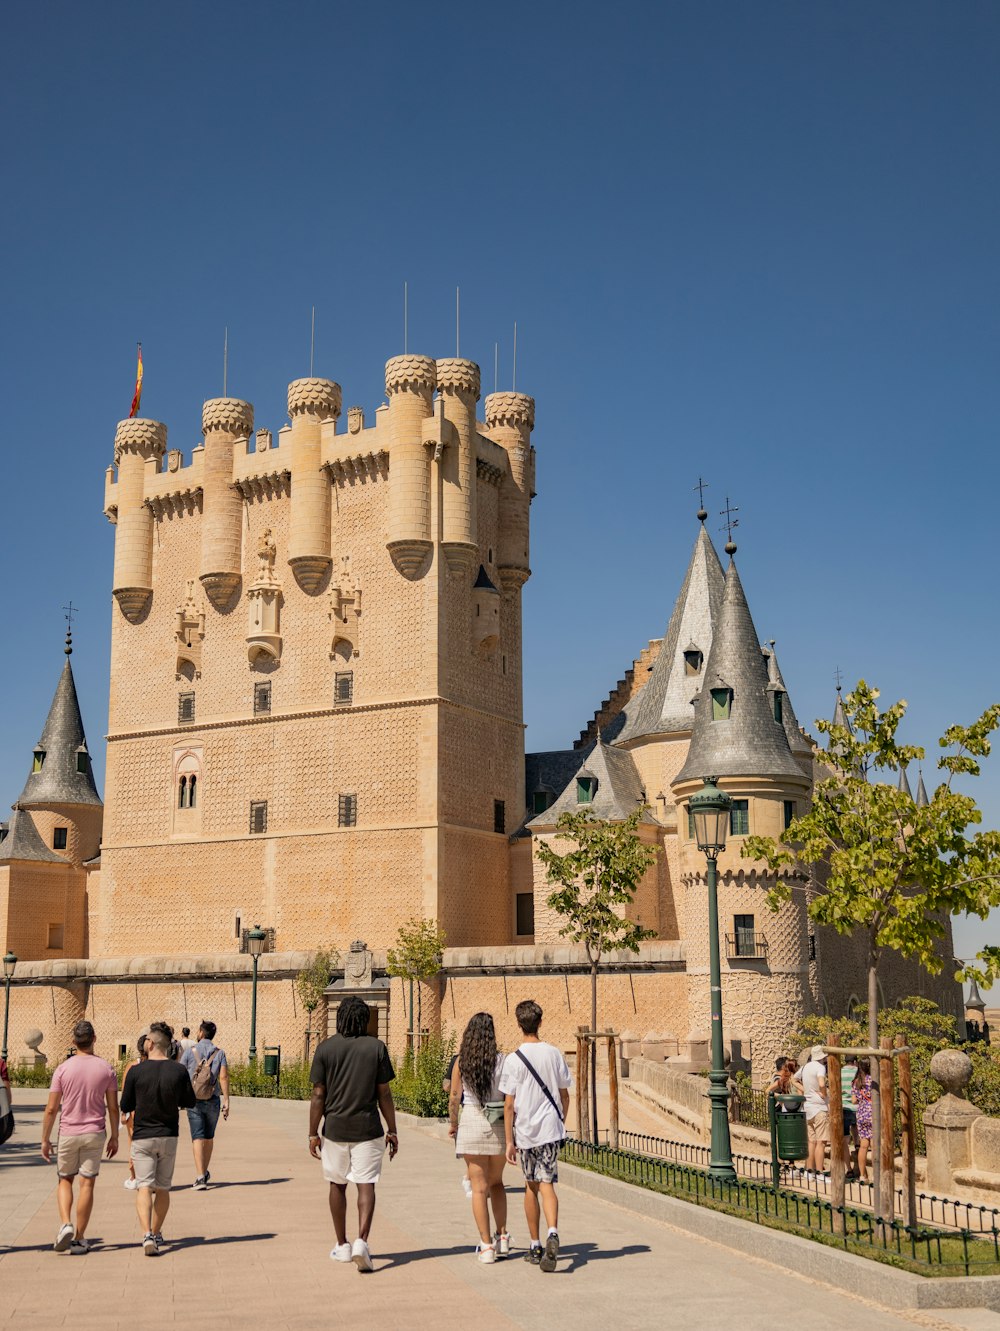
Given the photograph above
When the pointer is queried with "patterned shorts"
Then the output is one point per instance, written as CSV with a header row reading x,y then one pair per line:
x,y
540,1164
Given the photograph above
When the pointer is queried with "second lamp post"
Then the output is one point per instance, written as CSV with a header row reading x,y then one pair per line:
x,y
9,966
256,938
710,811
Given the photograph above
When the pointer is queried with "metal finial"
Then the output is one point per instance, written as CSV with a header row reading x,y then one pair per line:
x,y
701,487
68,612
730,525
838,675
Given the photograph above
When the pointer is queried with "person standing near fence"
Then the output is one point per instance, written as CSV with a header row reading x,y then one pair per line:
x,y
817,1107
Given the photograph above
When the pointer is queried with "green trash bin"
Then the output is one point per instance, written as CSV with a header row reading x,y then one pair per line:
x,y
272,1063
790,1122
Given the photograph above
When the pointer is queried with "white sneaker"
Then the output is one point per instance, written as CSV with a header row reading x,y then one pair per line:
x,y
79,1248
341,1252
131,1184
64,1238
360,1256
485,1253
501,1244
467,1186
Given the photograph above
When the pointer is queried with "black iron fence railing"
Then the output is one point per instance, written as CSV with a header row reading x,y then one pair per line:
x,y
922,1248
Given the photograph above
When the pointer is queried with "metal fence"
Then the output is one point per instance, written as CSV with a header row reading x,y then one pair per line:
x,y
955,1252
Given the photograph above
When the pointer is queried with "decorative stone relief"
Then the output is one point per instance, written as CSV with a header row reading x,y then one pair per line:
x,y
264,604
189,631
355,420
345,611
264,441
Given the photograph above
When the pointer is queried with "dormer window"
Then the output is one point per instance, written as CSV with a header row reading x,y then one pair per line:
x,y
38,761
722,703
777,707
693,661
586,789
81,763
541,799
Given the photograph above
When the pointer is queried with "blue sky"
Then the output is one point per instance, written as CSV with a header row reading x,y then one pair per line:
x,y
752,242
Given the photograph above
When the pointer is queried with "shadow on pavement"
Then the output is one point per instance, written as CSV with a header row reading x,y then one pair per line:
x,y
582,1253
239,1183
387,1259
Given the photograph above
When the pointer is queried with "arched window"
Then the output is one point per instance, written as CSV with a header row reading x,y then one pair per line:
x,y
182,793
192,791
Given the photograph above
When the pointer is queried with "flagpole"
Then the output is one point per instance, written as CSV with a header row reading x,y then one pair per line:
x,y
312,342
225,362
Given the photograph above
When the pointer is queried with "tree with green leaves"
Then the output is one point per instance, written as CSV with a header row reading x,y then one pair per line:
x,y
312,981
417,957
593,881
878,863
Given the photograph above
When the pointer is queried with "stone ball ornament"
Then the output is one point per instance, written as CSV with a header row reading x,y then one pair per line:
x,y
33,1039
952,1070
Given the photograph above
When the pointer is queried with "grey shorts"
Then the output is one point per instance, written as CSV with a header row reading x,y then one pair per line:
x,y
540,1164
154,1158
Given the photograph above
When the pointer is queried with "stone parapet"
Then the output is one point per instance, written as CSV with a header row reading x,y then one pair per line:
x,y
109,970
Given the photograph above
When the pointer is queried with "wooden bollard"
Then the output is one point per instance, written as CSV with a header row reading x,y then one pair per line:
x,y
835,1115
582,1084
908,1135
885,1202
613,1090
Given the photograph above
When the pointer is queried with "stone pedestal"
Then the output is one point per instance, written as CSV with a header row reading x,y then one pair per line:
x,y
948,1122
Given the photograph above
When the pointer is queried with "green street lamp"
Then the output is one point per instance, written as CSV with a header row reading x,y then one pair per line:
x,y
9,963
710,811
256,939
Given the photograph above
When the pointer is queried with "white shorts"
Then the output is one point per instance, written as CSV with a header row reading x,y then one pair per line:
x,y
353,1162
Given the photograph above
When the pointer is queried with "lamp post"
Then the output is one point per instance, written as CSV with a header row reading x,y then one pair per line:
x,y
9,963
256,939
710,809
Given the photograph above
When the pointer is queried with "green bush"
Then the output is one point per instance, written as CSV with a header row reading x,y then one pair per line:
x,y
419,1085
31,1075
249,1079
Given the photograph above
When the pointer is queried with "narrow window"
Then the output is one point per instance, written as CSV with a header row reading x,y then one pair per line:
x,y
55,936
691,828
525,913
477,609
239,926
182,793
739,818
746,944
489,557
39,760
504,664
499,817
185,708
586,789
81,763
721,704
692,662
347,810
812,947
777,706
192,791
261,699
789,808
343,687
258,817
59,838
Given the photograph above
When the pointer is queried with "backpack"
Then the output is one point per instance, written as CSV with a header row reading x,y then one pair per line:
x,y
203,1079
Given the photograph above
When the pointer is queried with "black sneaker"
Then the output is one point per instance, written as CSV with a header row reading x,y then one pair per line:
x,y
548,1258
534,1255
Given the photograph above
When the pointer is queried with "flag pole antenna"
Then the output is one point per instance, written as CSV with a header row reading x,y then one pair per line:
x,y
513,377
496,363
406,316
457,352
225,362
312,343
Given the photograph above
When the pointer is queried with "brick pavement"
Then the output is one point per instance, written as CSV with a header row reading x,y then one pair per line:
x,y
254,1249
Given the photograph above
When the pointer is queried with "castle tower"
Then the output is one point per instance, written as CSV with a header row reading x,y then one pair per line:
x,y
224,420
139,444
458,387
409,386
310,401
510,419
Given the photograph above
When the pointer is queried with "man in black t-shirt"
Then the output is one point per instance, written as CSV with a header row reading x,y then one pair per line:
x,y
154,1093
350,1078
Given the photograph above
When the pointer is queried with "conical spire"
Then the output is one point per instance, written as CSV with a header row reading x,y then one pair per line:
x,y
797,742
975,999
663,705
839,715
61,770
922,800
735,730
903,785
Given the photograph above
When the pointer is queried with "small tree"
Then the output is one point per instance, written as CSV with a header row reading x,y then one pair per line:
x,y
311,983
596,878
416,957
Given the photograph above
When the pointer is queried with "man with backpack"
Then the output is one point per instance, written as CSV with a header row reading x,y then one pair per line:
x,y
209,1072
535,1122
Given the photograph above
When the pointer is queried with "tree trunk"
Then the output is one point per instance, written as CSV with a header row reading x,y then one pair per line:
x,y
420,1019
582,1073
887,1183
876,1075
593,1061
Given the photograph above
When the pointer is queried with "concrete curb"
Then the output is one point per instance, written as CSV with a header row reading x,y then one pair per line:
x,y
857,1275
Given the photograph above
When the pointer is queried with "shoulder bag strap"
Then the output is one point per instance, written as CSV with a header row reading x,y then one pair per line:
x,y
548,1094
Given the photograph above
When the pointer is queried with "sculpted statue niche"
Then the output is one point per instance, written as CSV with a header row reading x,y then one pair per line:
x,y
189,631
264,604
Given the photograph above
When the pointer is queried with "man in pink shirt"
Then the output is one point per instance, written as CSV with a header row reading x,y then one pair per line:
x,y
83,1090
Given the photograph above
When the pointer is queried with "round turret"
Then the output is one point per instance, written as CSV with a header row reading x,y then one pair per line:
x,y
136,441
230,415
514,410
415,374
409,386
137,435
455,375
314,397
223,420
310,401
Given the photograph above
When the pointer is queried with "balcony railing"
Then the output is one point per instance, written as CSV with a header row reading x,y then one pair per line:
x,y
745,945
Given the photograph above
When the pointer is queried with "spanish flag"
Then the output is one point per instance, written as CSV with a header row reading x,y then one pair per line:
x,y
138,386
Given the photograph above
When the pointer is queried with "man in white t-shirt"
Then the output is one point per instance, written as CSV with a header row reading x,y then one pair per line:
x,y
817,1107
535,1083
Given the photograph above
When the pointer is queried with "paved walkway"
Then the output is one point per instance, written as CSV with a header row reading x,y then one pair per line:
x,y
253,1250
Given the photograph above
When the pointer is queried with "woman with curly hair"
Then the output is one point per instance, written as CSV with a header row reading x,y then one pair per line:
x,y
479,1136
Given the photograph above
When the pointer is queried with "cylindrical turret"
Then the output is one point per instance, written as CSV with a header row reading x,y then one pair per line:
x,y
458,385
409,386
310,401
510,418
223,421
136,441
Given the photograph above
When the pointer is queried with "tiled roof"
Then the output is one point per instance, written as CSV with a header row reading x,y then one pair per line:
x,y
59,781
619,788
23,841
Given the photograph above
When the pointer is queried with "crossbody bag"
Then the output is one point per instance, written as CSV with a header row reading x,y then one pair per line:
x,y
545,1090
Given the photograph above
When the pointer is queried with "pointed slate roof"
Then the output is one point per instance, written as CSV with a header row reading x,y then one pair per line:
x,y
922,800
23,841
750,742
663,705
63,738
903,785
797,742
619,787
483,581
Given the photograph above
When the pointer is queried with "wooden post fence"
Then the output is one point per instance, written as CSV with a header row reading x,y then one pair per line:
x,y
885,1201
908,1135
582,1084
613,1090
835,1114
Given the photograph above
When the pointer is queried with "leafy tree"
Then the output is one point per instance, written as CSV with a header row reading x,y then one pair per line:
x,y
311,982
416,956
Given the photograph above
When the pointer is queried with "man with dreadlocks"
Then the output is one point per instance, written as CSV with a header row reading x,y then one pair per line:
x,y
350,1078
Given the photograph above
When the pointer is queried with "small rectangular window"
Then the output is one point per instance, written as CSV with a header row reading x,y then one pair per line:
x,y
55,936
812,947
525,913
789,811
258,817
692,662
59,838
541,800
185,708
721,704
261,699
739,818
38,761
347,810
82,763
746,943
586,789
343,687
499,816
777,707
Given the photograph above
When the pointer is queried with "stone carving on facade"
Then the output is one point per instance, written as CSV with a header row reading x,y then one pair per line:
x,y
345,612
264,441
264,598
189,632
355,420
358,966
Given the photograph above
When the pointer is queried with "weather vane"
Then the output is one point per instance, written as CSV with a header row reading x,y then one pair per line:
x,y
838,675
701,487
730,524
68,612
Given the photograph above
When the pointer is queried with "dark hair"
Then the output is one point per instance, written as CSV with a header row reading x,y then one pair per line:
x,y
780,1062
529,1016
477,1056
185,1031
209,1028
140,1046
864,1067
353,1016
83,1035
161,1035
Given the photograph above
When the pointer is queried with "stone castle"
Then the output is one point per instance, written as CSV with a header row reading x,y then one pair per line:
x,y
315,725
